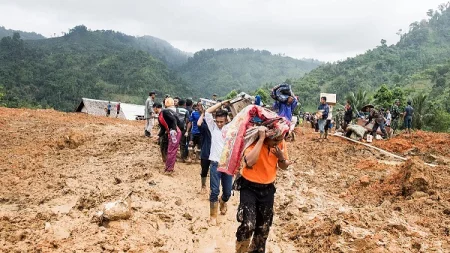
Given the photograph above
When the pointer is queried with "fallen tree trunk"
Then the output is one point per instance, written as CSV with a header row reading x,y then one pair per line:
x,y
381,150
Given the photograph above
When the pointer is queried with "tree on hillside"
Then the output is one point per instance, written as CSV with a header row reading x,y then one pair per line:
x,y
57,73
439,121
424,46
232,94
398,93
360,99
419,104
383,97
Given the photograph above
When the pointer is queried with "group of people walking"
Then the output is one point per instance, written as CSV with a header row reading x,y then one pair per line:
x,y
183,123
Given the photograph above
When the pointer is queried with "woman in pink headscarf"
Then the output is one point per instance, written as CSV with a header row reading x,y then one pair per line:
x,y
170,125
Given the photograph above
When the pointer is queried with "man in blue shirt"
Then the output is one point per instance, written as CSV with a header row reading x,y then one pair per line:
x,y
407,117
324,109
194,129
108,109
286,109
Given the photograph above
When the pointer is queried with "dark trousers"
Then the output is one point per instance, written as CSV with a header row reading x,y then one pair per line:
x,y
375,128
327,125
163,146
197,140
255,213
205,163
184,145
394,124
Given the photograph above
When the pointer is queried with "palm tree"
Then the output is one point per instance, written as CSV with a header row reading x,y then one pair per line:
x,y
419,103
358,100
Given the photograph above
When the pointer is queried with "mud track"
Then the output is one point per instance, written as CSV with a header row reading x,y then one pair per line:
x,y
58,169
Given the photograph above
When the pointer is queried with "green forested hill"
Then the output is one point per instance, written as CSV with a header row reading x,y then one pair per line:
x,y
163,50
417,64
80,37
210,71
57,72
24,35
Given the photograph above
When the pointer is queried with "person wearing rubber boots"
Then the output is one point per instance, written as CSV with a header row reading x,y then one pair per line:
x,y
257,190
215,125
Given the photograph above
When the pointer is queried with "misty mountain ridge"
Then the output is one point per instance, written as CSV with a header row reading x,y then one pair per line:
x,y
4,32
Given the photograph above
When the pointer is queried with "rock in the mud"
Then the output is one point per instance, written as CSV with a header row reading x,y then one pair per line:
x,y
47,227
118,210
20,235
436,197
398,227
419,194
60,232
429,202
187,216
364,180
117,180
304,209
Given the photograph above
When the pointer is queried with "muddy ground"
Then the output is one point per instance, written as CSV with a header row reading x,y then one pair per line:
x,y
58,169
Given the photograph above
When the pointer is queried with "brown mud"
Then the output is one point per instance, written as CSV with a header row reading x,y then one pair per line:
x,y
58,169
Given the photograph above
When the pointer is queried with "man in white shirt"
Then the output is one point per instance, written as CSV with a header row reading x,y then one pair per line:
x,y
215,125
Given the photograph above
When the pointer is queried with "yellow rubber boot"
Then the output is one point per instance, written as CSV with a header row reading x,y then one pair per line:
x,y
213,208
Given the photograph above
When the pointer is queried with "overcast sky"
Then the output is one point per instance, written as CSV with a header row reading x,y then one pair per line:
x,y
327,30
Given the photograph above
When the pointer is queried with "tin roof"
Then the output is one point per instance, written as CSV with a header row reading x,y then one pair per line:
x,y
98,107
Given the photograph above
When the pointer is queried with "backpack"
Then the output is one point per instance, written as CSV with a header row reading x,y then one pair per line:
x,y
182,115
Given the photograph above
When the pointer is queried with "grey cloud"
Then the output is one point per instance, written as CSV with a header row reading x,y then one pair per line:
x,y
323,29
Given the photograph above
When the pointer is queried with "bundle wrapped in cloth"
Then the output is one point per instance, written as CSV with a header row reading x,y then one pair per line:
x,y
243,131
282,92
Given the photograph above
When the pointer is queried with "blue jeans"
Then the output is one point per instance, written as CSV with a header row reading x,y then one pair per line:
x,y
408,122
322,123
215,178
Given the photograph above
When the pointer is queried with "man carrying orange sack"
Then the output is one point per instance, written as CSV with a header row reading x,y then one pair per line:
x,y
257,190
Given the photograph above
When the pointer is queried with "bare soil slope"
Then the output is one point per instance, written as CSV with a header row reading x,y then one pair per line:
x,y
58,169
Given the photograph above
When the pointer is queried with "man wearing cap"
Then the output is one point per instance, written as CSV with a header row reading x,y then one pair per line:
x,y
148,114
